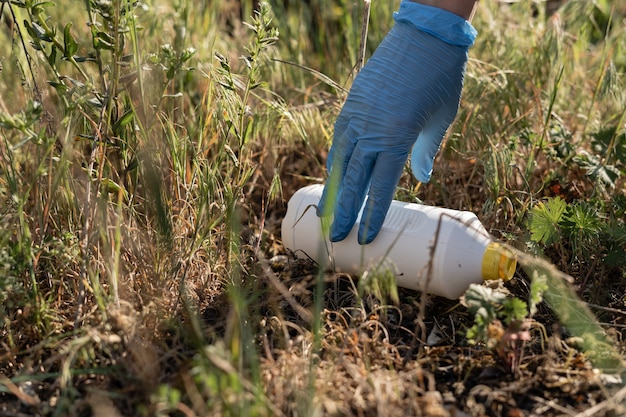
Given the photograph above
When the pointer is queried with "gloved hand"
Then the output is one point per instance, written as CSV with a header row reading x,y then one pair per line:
x,y
405,97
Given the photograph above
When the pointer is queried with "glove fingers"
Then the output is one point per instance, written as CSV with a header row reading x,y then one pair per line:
x,y
385,177
429,140
353,191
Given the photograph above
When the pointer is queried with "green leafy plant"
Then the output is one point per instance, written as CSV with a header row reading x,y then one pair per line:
x,y
379,281
610,143
605,162
501,322
602,174
585,234
219,388
583,225
544,221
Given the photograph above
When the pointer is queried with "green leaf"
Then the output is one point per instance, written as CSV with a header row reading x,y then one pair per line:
x,y
52,57
126,118
114,188
39,7
71,47
60,87
483,302
544,220
102,40
514,309
596,169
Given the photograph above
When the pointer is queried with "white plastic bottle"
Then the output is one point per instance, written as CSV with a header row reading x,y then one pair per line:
x,y
465,253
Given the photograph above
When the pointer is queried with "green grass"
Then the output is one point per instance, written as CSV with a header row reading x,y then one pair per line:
x,y
147,152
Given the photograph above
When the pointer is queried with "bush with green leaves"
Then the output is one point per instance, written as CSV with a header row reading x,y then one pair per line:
x,y
587,236
502,322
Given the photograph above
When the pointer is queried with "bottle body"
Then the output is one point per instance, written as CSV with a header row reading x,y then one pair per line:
x,y
433,249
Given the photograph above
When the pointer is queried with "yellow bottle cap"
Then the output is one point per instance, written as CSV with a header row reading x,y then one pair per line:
x,y
498,263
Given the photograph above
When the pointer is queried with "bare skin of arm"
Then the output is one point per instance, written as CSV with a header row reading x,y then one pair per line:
x,y
463,8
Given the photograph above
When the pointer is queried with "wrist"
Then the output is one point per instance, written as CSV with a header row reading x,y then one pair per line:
x,y
462,8
439,22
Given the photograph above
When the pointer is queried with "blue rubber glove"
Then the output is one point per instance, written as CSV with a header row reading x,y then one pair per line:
x,y
406,96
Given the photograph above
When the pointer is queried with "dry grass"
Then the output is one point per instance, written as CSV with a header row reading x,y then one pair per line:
x,y
141,266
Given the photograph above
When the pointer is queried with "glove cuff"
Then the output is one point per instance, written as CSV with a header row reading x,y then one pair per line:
x,y
440,23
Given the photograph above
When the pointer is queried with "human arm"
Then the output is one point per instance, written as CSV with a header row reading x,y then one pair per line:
x,y
404,98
